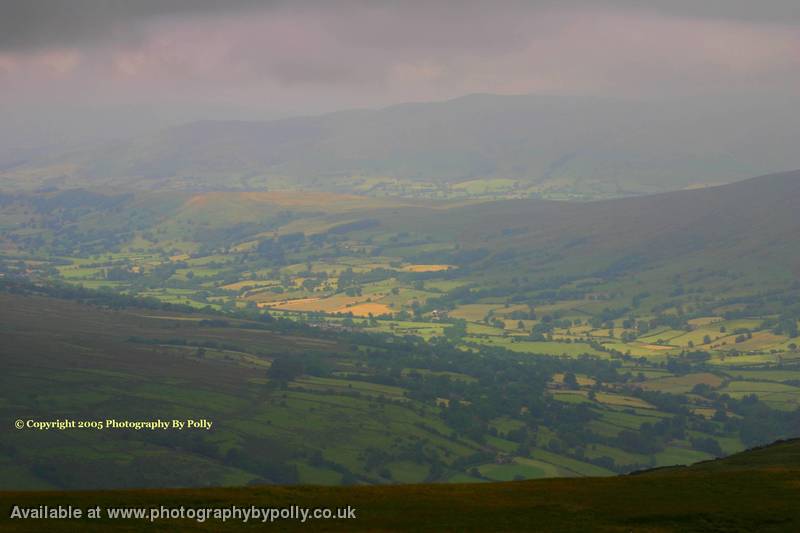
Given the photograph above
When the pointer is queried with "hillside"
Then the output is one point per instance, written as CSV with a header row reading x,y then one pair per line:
x,y
754,490
726,242
731,226
752,220
331,416
479,145
480,340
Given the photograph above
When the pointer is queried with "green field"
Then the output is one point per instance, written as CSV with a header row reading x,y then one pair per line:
x,y
427,340
351,416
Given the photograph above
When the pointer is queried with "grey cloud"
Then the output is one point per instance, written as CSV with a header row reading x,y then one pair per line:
x,y
35,24
746,10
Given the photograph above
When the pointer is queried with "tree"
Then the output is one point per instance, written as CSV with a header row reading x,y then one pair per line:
x,y
457,330
285,369
706,444
571,381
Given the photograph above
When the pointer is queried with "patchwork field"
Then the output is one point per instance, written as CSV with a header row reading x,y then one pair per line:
x,y
433,340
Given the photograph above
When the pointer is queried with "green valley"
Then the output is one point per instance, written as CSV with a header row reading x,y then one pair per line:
x,y
440,341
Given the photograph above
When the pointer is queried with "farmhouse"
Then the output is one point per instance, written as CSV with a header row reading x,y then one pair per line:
x,y
437,314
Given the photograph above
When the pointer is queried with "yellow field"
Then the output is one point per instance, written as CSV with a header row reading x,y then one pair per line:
x,y
300,304
426,268
760,341
622,401
245,246
366,309
339,303
656,347
619,400
247,283
473,312
704,321
683,384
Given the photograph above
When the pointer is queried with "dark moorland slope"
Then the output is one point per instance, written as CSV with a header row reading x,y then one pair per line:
x,y
755,216
751,491
750,226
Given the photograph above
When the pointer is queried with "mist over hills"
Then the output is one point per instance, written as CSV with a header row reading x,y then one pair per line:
x,y
590,146
388,266
694,287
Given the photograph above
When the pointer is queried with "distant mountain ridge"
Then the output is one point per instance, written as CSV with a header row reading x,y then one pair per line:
x,y
601,145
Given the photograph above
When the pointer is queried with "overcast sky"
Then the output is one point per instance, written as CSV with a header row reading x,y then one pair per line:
x,y
140,63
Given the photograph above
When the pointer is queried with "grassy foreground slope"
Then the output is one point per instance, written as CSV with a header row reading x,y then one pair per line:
x,y
751,491
345,408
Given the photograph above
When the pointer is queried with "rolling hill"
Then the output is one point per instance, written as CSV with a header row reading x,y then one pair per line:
x,y
736,225
365,407
746,227
752,491
566,145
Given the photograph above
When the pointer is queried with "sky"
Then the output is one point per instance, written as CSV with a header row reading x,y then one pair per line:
x,y
116,67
